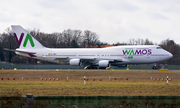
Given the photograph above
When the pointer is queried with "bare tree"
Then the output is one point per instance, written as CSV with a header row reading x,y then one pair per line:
x,y
90,38
140,42
174,49
147,42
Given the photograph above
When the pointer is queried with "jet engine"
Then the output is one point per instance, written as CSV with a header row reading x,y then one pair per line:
x,y
75,62
103,63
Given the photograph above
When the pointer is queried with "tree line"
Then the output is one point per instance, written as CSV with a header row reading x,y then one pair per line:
x,y
74,39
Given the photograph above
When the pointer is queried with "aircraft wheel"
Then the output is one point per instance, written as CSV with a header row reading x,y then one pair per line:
x,y
154,67
102,67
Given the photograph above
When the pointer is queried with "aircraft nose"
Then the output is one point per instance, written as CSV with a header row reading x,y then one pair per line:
x,y
170,55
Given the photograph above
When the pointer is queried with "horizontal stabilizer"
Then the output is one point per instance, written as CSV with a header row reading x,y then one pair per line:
x,y
26,52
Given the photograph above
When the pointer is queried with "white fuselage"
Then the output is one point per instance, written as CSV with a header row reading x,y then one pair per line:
x,y
117,55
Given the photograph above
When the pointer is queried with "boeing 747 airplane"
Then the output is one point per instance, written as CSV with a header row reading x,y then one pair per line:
x,y
89,57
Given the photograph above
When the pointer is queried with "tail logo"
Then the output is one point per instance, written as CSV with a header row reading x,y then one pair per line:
x,y
28,37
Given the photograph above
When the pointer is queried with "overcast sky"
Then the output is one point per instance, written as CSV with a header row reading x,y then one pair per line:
x,y
113,20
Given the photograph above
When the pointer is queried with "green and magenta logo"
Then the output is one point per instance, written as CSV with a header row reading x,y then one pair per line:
x,y
137,52
28,37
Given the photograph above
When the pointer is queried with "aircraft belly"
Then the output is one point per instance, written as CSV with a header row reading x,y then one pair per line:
x,y
139,60
145,59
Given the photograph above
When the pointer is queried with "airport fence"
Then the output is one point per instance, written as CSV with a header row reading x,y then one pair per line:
x,y
6,65
91,102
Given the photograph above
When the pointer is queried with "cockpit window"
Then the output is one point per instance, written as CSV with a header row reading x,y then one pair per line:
x,y
159,48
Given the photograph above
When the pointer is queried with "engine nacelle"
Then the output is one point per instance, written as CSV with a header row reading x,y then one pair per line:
x,y
103,63
75,62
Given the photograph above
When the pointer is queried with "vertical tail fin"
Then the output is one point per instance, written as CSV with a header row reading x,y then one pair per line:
x,y
24,39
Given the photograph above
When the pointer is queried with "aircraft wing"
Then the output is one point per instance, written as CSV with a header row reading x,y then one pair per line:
x,y
121,60
94,61
66,59
90,61
85,61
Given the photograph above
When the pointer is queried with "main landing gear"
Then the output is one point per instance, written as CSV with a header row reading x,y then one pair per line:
x,y
90,67
95,67
109,68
